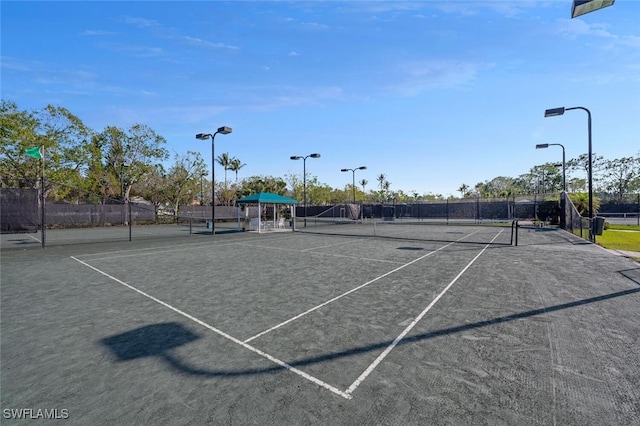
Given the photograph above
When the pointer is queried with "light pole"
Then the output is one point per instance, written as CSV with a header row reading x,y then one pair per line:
x,y
203,136
304,179
564,169
560,111
353,185
202,175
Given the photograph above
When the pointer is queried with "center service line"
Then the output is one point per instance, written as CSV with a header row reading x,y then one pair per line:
x,y
352,290
397,340
225,335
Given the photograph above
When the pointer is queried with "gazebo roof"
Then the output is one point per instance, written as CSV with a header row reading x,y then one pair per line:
x,y
267,198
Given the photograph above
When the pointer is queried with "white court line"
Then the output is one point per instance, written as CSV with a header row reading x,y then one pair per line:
x,y
321,253
154,250
225,335
345,394
397,340
333,245
354,289
37,239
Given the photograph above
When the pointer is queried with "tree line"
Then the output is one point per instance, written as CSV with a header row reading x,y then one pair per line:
x,y
117,164
617,177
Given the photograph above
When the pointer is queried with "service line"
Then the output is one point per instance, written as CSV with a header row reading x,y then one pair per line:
x,y
352,290
397,340
319,253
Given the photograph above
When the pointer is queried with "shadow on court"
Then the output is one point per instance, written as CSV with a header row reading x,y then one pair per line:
x,y
159,339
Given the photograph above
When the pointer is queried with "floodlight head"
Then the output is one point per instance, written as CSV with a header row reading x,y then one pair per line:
x,y
202,136
580,7
316,155
296,157
344,170
362,168
224,130
554,112
542,145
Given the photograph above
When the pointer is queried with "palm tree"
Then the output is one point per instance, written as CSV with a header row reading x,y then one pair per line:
x,y
381,178
235,166
225,161
463,189
581,201
364,183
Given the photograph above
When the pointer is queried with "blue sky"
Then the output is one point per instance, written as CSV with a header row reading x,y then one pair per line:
x,y
432,94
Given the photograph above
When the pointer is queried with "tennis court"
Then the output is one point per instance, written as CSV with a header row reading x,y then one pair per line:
x,y
419,325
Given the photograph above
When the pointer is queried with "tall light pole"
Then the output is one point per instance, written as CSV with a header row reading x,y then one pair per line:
x,y
353,185
560,111
304,179
203,136
564,167
202,175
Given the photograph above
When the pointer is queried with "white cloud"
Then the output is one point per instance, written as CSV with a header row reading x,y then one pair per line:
x,y
599,36
139,22
413,78
13,64
630,41
200,42
289,96
138,51
573,28
314,26
91,33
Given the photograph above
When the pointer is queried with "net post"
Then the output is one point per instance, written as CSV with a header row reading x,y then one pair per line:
x,y
512,223
514,232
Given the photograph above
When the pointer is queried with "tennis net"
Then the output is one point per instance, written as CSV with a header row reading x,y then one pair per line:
x,y
198,225
463,231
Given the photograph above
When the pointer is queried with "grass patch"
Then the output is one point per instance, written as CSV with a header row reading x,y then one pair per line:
x,y
624,227
620,237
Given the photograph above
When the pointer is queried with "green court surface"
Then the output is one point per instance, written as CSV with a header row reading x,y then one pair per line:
x,y
454,325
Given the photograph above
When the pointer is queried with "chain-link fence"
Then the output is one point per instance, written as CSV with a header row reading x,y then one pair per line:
x,y
22,212
620,209
534,207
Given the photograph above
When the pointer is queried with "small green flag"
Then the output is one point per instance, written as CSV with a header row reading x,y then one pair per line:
x,y
34,152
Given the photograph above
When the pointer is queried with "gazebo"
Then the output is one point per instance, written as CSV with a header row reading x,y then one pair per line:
x,y
269,198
